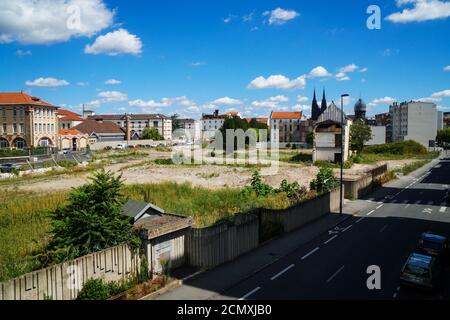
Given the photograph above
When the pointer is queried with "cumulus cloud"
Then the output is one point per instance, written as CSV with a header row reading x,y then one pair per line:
x,y
421,10
381,101
302,99
273,103
349,68
113,96
113,81
227,101
116,43
47,82
48,22
165,102
278,82
342,76
441,94
23,53
319,72
280,16
447,68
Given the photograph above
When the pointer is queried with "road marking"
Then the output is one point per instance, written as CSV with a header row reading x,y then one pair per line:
x,y
335,274
347,228
359,220
408,205
310,253
428,210
381,205
443,209
250,293
371,212
331,239
384,228
281,272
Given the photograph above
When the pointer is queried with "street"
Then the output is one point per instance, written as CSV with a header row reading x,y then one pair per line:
x,y
384,233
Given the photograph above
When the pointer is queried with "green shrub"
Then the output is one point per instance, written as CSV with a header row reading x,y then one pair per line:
x,y
398,148
325,181
164,162
95,289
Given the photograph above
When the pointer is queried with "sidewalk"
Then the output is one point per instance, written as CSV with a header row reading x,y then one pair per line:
x,y
209,284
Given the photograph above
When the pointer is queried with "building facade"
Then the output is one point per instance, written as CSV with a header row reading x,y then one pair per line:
x,y
446,119
68,119
330,136
414,121
138,123
26,121
191,127
285,127
100,131
210,123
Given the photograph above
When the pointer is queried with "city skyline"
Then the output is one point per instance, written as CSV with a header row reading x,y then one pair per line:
x,y
253,57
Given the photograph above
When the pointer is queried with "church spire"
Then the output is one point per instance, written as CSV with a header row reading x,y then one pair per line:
x,y
324,102
315,110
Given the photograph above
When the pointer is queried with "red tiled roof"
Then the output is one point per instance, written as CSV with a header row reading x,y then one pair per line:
x,y
69,132
286,115
260,120
111,117
21,98
65,113
71,118
90,126
232,113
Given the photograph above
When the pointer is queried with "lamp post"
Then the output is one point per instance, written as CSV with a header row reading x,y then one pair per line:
x,y
342,153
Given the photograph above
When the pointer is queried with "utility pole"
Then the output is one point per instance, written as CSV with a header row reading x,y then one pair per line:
x,y
342,155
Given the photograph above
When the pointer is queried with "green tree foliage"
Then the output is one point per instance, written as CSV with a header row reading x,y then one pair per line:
x,y
360,133
175,122
91,220
443,138
235,123
325,181
151,134
409,147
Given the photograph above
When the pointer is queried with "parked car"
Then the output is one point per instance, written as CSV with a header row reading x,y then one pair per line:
x,y
121,146
433,244
422,271
9,167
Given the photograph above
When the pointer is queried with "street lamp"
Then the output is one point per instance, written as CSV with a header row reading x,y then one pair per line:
x,y
342,153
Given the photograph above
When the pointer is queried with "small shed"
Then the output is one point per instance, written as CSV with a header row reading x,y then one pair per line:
x,y
163,234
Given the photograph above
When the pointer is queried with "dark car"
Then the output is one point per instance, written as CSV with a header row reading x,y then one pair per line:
x,y
422,271
8,167
433,244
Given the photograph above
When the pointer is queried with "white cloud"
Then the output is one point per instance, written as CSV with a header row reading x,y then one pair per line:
x,y
273,103
342,76
441,94
227,101
165,102
82,84
319,72
116,43
248,17
198,64
422,10
381,101
389,52
113,81
447,68
280,16
278,82
349,68
47,82
47,22
428,99
193,109
113,96
23,53
302,99
362,70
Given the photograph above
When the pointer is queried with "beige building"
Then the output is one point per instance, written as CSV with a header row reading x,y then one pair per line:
x,y
26,121
71,139
285,127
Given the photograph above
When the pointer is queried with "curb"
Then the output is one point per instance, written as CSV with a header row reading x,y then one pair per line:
x,y
170,286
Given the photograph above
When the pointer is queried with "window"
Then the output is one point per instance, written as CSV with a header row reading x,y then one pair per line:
x,y
15,127
22,128
155,124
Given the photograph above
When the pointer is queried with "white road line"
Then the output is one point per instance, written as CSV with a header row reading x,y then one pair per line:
x,y
250,293
347,228
443,209
408,205
331,239
310,253
384,228
381,205
335,274
371,212
281,272
359,220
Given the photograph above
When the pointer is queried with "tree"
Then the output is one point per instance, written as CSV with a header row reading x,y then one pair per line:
x,y
360,133
443,138
175,122
151,134
91,221
325,181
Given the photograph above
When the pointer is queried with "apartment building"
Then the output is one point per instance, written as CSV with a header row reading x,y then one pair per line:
x,y
286,127
414,121
68,119
138,122
191,127
26,121
446,119
210,123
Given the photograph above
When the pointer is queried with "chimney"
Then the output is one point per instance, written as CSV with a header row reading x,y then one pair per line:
x,y
216,113
128,128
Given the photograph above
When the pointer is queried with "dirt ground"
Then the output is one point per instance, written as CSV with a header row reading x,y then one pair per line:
x,y
209,176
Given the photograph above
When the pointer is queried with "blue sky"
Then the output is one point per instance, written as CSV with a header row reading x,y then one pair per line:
x,y
253,56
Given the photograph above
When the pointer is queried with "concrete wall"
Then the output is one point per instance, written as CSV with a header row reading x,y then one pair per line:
x,y
357,187
215,245
103,144
378,135
64,281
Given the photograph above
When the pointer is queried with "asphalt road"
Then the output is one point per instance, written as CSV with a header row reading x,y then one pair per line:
x,y
383,233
